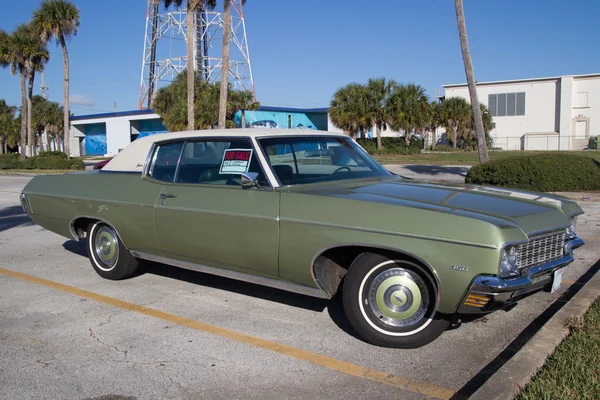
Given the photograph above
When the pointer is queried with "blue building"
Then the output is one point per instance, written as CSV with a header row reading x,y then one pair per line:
x,y
107,134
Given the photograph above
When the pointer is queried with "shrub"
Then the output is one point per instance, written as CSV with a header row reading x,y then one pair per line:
x,y
54,153
391,145
39,162
544,172
445,148
10,155
58,162
9,162
29,163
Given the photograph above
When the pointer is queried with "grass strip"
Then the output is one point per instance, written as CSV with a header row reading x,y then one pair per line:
x,y
573,370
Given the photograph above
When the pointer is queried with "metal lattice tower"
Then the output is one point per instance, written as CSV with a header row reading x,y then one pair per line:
x,y
165,54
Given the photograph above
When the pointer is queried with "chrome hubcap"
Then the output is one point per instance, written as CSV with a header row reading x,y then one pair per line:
x,y
398,297
106,247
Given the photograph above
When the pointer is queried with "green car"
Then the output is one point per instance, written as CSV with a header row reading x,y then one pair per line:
x,y
313,213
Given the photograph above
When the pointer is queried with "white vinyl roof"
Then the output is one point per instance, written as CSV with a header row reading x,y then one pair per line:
x,y
133,157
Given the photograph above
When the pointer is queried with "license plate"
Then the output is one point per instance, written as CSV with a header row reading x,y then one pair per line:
x,y
557,279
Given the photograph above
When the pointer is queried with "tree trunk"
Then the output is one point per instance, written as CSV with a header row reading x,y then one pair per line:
x,y
466,53
225,63
23,117
66,124
243,118
454,137
30,134
190,67
378,132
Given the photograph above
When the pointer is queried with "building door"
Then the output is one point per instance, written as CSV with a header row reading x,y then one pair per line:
x,y
580,138
95,139
580,130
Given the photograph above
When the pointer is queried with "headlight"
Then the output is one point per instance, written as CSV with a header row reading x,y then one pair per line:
x,y
508,262
571,229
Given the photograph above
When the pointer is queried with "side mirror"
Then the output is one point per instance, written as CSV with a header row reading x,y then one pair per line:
x,y
250,179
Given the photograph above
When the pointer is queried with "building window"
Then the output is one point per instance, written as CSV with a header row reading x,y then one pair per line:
x,y
506,104
289,121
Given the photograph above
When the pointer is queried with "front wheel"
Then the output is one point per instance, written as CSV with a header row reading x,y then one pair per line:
x,y
109,257
392,303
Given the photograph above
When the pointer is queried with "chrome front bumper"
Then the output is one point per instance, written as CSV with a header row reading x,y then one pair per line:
x,y
490,293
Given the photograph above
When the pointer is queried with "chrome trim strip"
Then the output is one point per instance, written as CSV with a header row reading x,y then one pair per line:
x,y
148,159
226,213
240,276
378,247
383,232
89,199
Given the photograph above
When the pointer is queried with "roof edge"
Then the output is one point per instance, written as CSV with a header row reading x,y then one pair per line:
x,y
549,78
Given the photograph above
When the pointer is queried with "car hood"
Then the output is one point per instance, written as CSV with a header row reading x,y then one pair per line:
x,y
531,211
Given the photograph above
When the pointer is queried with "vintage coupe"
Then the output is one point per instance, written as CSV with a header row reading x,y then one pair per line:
x,y
313,213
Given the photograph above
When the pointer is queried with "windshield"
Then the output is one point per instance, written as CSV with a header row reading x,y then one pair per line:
x,y
298,160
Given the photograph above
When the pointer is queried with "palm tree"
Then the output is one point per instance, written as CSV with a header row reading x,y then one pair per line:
x,y
243,100
9,128
348,110
58,20
408,110
225,61
378,92
455,115
466,53
36,56
12,55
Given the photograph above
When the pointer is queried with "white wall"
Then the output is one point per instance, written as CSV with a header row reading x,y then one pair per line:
x,y
556,111
540,110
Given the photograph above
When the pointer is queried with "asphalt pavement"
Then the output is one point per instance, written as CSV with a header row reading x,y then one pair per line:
x,y
66,333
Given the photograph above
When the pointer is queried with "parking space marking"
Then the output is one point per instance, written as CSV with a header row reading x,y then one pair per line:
x,y
307,356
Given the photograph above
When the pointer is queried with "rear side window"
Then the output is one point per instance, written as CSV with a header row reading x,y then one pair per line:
x,y
164,161
218,162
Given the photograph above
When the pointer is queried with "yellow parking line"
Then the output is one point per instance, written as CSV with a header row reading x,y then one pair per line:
x,y
313,358
568,282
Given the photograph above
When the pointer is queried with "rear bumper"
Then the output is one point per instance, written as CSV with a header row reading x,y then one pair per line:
x,y
490,293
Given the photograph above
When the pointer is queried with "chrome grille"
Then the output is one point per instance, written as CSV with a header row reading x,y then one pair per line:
x,y
538,251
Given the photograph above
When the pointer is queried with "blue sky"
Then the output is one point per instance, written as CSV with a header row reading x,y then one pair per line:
x,y
302,51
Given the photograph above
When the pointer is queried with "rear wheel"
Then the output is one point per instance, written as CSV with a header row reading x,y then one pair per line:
x,y
109,257
391,302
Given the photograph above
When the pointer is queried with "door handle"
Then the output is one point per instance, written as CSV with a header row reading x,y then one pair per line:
x,y
166,196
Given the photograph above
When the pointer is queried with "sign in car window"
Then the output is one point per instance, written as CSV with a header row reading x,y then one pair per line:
x,y
236,161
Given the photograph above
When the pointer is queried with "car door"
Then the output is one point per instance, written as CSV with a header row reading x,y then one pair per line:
x,y
203,214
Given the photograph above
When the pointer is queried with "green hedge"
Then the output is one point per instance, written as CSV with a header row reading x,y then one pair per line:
x,y
446,148
43,161
545,172
391,145
58,154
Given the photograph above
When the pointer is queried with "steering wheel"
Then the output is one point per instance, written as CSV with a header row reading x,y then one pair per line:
x,y
341,168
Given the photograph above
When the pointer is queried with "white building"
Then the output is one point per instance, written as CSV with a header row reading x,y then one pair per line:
x,y
558,113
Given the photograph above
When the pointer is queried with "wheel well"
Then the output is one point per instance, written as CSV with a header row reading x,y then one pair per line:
x,y
79,227
330,267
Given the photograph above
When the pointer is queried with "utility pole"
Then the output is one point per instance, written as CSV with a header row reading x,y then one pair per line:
x,y
44,88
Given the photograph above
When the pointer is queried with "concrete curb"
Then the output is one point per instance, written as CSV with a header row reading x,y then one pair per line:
x,y
508,381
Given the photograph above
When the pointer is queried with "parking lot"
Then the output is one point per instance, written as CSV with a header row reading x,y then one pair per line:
x,y
171,333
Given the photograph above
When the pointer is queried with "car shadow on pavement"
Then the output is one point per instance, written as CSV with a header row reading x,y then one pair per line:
x,y
334,306
232,285
11,217
76,247
437,170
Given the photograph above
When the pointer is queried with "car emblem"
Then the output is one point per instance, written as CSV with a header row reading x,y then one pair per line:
x,y
459,268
